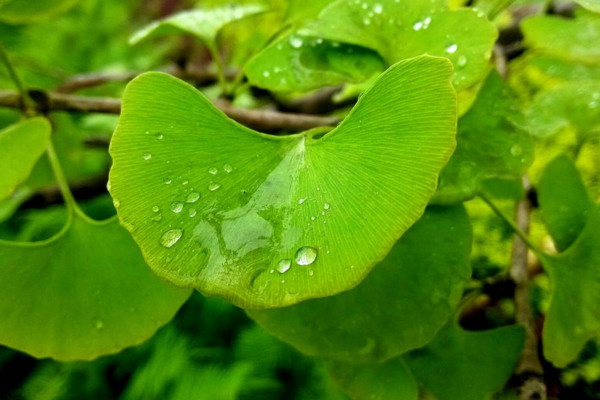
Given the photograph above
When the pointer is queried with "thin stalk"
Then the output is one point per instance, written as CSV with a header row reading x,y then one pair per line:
x,y
218,60
513,226
60,178
12,72
496,7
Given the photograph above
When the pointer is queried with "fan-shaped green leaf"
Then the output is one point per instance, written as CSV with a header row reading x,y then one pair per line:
x,y
268,221
29,11
593,5
204,24
564,201
409,28
575,39
81,294
400,306
21,145
465,365
294,63
491,143
390,380
575,105
572,318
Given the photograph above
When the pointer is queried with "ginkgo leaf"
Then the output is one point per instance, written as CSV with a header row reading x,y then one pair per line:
x,y
593,5
400,29
564,201
574,39
467,365
267,221
29,11
21,145
491,143
295,63
572,317
573,105
385,381
400,306
83,293
205,24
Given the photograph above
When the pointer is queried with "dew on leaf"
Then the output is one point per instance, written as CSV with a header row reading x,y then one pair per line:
x,y
159,136
192,197
192,212
213,171
170,237
296,42
146,156
516,150
377,8
451,48
157,217
168,181
155,209
462,61
306,255
97,323
302,200
185,182
266,74
227,168
213,186
176,207
326,206
284,265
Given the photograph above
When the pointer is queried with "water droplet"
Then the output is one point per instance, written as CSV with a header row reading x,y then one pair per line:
x,y
284,265
296,42
451,48
192,197
266,74
306,255
176,207
426,22
170,237
192,212
516,150
462,61
168,181
311,272
157,217
213,186
146,156
302,200
322,212
417,26
313,218
185,182
366,21
377,8
97,323
326,206
116,203
213,171
227,168
160,136
155,209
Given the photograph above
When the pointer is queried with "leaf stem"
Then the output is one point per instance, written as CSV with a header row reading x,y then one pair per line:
x,y
61,180
12,72
218,61
512,224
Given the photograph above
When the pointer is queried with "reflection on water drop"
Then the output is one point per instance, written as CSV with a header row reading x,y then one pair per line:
x,y
462,61
170,237
377,8
185,182
284,265
157,217
213,186
296,42
192,197
176,207
168,181
146,156
155,209
159,136
192,212
227,168
302,200
213,171
326,206
306,255
451,48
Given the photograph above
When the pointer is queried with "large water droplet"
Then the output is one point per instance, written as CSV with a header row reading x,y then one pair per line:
x,y
192,197
306,255
146,156
296,42
213,186
284,265
176,207
170,237
451,48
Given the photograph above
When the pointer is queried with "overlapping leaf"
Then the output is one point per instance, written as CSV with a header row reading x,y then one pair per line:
x,y
294,63
29,11
593,5
400,306
81,294
269,221
564,201
491,143
404,29
21,145
464,365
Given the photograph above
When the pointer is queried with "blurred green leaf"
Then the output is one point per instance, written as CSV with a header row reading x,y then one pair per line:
x,y
593,5
564,201
404,29
295,63
400,306
30,11
466,365
88,293
491,143
572,318
251,217
21,145
386,381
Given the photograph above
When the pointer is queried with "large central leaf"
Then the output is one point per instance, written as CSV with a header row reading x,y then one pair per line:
x,y
268,221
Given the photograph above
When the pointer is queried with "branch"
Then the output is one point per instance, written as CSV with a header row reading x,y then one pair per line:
x,y
264,120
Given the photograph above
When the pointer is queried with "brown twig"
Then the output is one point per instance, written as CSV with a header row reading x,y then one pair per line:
x,y
529,367
265,120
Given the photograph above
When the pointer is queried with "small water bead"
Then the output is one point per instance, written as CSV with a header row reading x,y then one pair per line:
x,y
155,209
451,48
462,61
185,182
311,272
313,218
192,212
213,171
168,181
176,207
322,212
266,74
159,136
157,217
377,8
326,206
97,323
284,265
192,197
213,186
305,255
516,150
227,168
146,156
302,200
170,237
296,42
418,26
366,21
